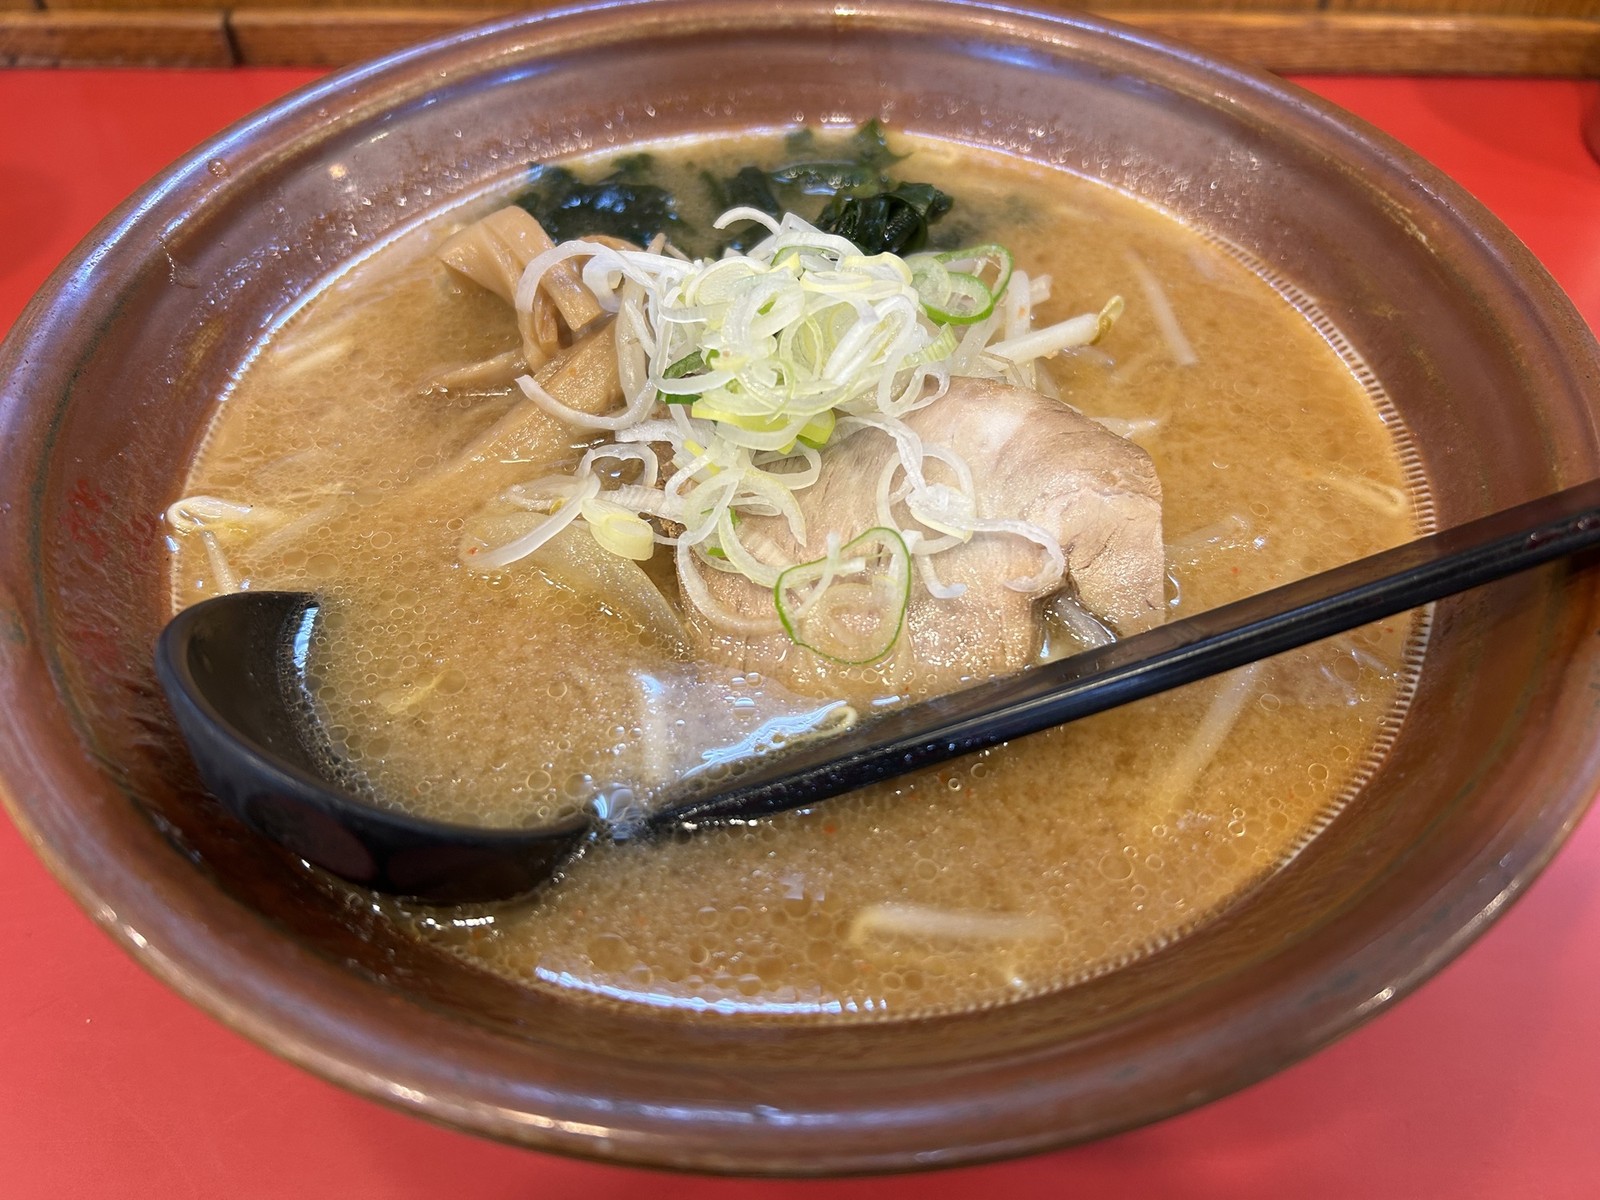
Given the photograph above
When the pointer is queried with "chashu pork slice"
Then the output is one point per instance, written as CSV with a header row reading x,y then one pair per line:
x,y
1032,458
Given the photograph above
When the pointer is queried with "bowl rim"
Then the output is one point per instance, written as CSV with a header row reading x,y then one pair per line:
x,y
222,980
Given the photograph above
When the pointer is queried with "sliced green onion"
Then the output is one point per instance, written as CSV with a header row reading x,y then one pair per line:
x,y
941,348
689,364
706,411
626,534
960,297
816,432
979,256
850,605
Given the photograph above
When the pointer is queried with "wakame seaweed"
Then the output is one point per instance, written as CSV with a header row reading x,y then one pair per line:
x,y
827,178
622,205
749,188
895,221
861,169
870,142
864,202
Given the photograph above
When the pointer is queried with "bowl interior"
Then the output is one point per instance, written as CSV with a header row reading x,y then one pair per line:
x,y
114,372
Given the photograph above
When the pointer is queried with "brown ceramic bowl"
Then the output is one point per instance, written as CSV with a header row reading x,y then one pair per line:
x,y
113,371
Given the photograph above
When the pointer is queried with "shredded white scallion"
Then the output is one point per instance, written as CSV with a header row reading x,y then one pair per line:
x,y
737,372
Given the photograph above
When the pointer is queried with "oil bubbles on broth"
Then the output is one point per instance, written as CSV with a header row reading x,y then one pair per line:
x,y
511,696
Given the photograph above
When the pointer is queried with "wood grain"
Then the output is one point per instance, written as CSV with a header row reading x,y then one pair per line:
x,y
153,39
1307,41
1441,8
1371,43
332,7
271,33
330,38
1113,8
141,6
1527,8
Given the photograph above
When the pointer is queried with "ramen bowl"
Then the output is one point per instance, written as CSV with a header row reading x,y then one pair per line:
x,y
111,375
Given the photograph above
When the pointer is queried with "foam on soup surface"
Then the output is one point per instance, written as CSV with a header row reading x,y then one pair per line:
x,y
511,697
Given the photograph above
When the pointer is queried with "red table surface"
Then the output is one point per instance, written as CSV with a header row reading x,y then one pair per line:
x,y
1485,1083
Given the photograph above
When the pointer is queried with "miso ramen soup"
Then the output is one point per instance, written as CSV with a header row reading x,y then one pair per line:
x,y
361,454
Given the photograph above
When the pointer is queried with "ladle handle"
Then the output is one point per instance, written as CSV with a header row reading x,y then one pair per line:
x,y
1319,606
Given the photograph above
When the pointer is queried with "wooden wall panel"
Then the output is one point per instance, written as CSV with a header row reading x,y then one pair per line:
x,y
330,37
309,7
1112,8
125,6
1446,8
152,39
1345,42
1358,43
1533,37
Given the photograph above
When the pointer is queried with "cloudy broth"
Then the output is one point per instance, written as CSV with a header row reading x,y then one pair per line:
x,y
512,697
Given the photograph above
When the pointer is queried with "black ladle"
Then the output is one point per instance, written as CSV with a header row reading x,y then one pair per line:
x,y
232,669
